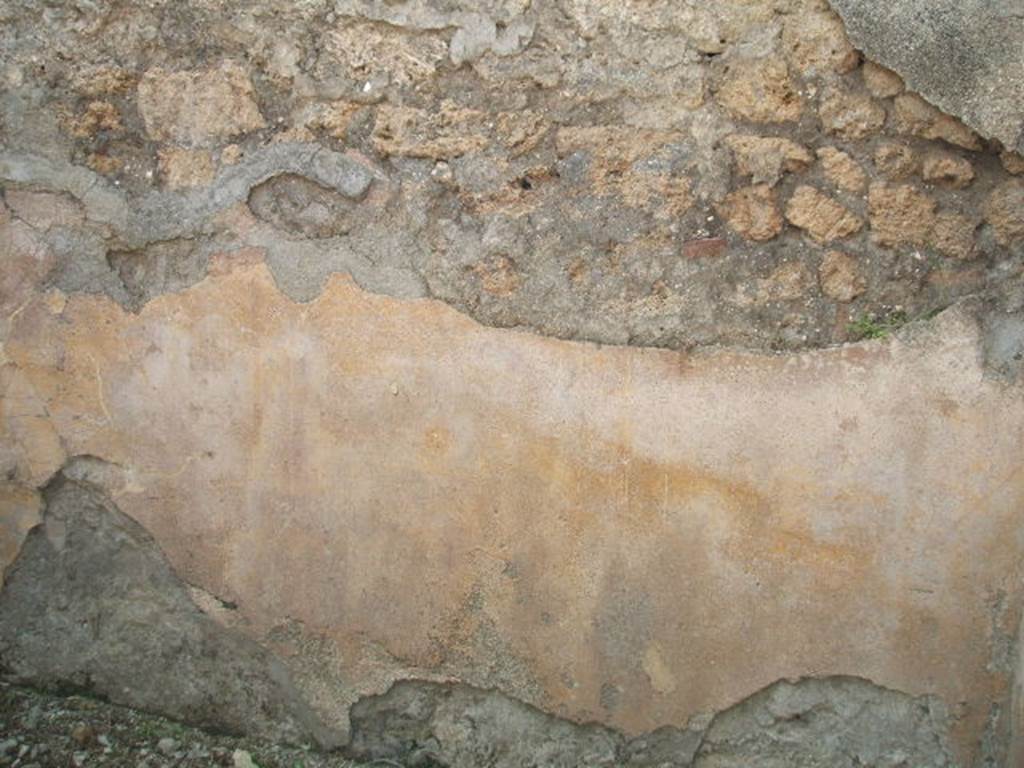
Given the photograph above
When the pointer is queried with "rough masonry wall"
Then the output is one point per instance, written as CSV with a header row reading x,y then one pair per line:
x,y
670,173
296,320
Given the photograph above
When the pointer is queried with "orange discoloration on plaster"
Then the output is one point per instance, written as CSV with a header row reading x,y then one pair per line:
x,y
433,497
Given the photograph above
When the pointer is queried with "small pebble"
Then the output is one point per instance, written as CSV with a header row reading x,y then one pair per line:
x,y
167,745
83,735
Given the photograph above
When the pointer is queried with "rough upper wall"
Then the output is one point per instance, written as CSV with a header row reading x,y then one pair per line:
x,y
670,173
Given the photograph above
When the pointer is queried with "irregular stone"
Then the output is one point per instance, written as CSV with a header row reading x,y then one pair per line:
x,y
947,170
442,135
766,158
478,34
102,80
668,195
882,83
900,214
953,235
614,158
104,164
1013,162
335,118
965,57
787,282
184,168
820,216
1004,210
370,52
90,600
760,90
198,107
840,277
828,723
842,170
98,116
301,207
917,117
83,735
897,161
816,43
850,115
752,212
614,147
324,80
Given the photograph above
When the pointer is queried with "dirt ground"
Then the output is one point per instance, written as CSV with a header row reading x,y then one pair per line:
x,y
39,730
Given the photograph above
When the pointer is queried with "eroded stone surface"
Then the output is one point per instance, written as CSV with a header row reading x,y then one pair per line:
x,y
91,602
461,727
540,166
823,218
753,212
765,159
842,170
1004,210
816,723
840,276
536,509
195,108
836,722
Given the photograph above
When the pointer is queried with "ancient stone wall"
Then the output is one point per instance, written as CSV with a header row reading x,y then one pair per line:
x,y
637,380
